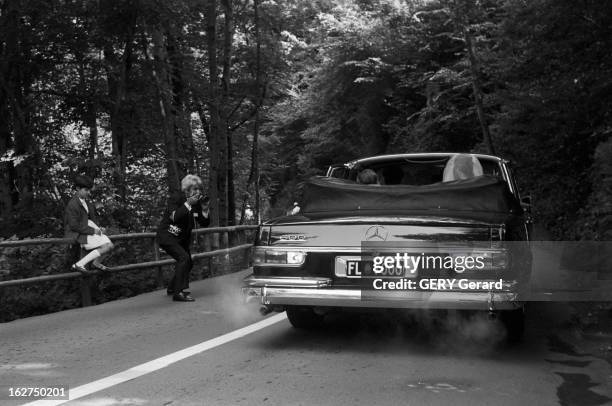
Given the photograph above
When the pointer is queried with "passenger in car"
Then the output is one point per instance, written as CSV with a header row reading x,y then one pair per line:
x,y
368,177
462,166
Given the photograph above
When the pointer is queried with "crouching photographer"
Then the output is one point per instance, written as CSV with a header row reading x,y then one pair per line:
x,y
185,211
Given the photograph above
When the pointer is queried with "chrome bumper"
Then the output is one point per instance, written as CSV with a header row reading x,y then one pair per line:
x,y
317,292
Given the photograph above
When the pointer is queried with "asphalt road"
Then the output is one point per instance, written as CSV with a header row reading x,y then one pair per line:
x,y
356,360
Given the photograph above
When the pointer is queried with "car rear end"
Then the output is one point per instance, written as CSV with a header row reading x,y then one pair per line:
x,y
330,264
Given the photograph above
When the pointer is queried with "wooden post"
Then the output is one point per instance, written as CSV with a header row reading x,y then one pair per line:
x,y
250,238
207,248
196,272
232,236
215,241
215,246
226,257
243,257
84,286
160,271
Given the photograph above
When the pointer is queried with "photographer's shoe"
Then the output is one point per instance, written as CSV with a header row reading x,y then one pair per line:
x,y
170,292
182,297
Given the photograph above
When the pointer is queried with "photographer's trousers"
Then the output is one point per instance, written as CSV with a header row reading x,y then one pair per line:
x,y
182,255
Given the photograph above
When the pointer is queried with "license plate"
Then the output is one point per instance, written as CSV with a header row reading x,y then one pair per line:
x,y
360,269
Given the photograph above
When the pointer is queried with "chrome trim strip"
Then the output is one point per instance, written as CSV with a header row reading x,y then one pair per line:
x,y
383,299
415,155
289,281
296,281
270,265
439,248
409,220
507,180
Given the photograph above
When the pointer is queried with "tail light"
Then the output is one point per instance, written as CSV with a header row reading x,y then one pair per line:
x,y
263,256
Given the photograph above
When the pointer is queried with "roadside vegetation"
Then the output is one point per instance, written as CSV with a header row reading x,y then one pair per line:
x,y
257,95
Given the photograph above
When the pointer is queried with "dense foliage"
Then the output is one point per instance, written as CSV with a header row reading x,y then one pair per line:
x,y
398,77
256,95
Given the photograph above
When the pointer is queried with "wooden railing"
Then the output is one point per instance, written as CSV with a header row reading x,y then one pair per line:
x,y
216,240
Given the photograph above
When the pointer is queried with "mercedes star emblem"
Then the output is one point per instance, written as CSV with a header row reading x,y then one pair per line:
x,y
376,233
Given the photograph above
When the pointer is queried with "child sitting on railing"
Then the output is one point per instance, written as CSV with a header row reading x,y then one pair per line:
x,y
80,224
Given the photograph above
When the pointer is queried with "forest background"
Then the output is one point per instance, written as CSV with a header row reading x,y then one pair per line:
x,y
258,95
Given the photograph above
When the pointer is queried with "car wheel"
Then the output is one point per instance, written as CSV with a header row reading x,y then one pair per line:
x,y
514,321
303,317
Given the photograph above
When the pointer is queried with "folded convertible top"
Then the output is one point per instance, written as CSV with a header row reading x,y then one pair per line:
x,y
484,198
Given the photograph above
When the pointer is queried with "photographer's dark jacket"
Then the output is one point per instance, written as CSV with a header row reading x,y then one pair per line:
x,y
178,221
75,220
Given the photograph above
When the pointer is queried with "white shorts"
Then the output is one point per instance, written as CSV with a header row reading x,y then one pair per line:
x,y
95,241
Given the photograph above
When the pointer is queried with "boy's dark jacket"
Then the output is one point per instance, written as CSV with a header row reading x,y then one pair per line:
x,y
179,216
75,220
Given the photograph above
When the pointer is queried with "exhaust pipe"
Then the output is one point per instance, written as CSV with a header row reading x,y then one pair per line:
x,y
264,310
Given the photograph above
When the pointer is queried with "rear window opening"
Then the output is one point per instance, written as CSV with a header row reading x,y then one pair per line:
x,y
413,172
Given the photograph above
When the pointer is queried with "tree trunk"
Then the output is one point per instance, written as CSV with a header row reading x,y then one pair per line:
x,y
227,61
204,121
92,123
182,126
254,172
25,146
160,76
462,12
6,167
231,198
17,105
486,135
118,76
8,31
193,165
217,169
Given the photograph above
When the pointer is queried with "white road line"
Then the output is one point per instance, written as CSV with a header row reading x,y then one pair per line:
x,y
159,363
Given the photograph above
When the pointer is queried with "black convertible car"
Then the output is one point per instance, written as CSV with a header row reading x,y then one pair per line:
x,y
410,231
